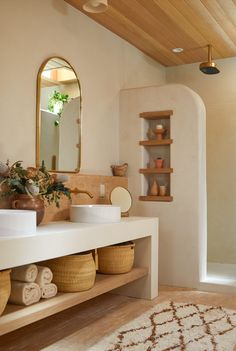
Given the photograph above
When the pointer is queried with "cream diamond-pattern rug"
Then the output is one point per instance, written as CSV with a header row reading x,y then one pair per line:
x,y
172,326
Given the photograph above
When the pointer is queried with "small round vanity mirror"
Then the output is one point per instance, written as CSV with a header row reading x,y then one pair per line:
x,y
120,196
58,120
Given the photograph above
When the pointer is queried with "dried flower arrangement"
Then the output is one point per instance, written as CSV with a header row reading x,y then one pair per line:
x,y
31,181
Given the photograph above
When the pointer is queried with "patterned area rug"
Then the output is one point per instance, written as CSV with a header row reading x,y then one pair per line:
x,y
172,326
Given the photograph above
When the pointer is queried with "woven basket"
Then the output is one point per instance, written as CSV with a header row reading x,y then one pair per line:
x,y
119,170
74,272
116,259
5,288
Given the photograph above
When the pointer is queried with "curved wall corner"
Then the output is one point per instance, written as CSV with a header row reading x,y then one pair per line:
x,y
182,235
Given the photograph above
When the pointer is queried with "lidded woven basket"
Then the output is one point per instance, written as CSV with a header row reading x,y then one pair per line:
x,y
5,288
74,272
116,259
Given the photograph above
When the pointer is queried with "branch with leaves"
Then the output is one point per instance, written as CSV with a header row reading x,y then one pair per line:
x,y
16,179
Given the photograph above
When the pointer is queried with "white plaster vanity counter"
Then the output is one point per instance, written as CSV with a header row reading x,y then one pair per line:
x,y
57,239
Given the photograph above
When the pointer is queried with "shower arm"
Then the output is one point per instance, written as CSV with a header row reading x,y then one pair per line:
x,y
209,53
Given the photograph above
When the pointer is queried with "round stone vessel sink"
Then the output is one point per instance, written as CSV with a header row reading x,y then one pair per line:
x,y
17,223
95,213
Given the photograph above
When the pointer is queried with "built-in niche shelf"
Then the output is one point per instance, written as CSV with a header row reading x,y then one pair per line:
x,y
16,316
156,146
156,170
156,198
153,115
156,142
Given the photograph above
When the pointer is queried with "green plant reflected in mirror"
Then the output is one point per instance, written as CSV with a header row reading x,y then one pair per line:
x,y
58,119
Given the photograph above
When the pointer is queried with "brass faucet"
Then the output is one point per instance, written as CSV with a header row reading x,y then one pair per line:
x,y
78,191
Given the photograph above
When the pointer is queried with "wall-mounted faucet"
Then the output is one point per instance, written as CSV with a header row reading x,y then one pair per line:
x,y
78,191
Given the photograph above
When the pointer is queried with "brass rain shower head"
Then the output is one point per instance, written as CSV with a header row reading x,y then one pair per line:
x,y
209,67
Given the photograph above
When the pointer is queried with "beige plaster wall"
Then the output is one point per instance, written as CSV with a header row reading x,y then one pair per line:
x,y
32,31
182,222
219,95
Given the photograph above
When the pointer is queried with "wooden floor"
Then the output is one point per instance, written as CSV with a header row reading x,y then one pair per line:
x,y
79,327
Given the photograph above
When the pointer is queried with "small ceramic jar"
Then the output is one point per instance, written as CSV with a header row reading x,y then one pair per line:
x,y
162,190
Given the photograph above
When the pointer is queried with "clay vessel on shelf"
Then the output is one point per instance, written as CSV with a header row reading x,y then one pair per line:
x,y
160,133
154,188
162,190
159,163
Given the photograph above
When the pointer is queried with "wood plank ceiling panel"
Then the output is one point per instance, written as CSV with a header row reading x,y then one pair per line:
x,y
205,22
157,26
229,8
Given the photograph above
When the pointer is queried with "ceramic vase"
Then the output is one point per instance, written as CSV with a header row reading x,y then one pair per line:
x,y
154,188
27,202
160,133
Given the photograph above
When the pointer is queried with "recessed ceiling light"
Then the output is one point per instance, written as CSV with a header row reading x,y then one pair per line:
x,y
95,6
177,50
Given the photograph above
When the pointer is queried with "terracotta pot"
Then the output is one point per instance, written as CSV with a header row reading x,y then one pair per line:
x,y
26,202
159,163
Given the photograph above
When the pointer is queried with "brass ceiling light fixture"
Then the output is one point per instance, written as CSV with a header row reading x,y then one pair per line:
x,y
209,67
95,6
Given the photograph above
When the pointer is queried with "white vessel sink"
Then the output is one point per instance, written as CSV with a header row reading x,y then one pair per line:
x,y
17,223
95,213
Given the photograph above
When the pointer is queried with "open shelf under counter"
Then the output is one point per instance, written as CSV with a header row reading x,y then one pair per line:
x,y
57,239
156,170
156,114
156,198
15,316
156,142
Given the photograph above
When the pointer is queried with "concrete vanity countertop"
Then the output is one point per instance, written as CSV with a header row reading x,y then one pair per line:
x,y
62,238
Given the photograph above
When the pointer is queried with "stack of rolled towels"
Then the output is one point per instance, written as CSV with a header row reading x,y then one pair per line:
x,y
30,283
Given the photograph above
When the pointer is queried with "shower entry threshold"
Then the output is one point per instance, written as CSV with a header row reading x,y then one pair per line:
x,y
220,277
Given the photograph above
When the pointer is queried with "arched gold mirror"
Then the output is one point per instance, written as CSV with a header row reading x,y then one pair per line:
x,y
58,119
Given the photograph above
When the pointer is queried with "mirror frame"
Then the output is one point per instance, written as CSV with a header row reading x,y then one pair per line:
x,y
38,115
123,213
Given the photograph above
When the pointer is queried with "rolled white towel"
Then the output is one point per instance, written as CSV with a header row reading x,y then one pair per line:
x,y
24,293
48,290
44,276
26,273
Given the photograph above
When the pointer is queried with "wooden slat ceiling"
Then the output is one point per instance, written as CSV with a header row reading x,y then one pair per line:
x,y
157,26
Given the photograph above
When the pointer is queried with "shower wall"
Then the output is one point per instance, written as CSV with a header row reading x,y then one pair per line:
x,y
182,222
219,95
